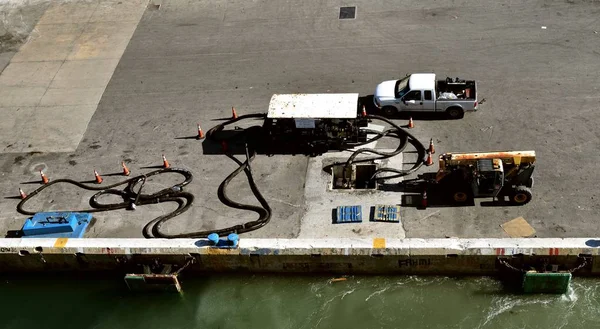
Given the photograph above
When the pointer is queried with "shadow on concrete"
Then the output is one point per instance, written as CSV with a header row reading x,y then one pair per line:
x,y
33,182
202,243
433,201
498,203
93,181
234,147
237,146
188,137
593,243
221,119
13,234
148,167
233,142
371,213
413,189
115,174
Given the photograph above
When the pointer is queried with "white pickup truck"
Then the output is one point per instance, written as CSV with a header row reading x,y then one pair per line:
x,y
421,92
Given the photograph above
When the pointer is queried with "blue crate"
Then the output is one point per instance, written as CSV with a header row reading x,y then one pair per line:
x,y
56,225
349,214
386,213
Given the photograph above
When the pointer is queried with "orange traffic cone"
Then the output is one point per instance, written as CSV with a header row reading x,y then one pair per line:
x,y
45,179
125,169
431,148
410,123
98,177
424,199
364,111
200,132
165,162
22,194
233,113
429,160
224,146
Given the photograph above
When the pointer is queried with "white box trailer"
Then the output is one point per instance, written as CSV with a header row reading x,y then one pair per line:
x,y
315,122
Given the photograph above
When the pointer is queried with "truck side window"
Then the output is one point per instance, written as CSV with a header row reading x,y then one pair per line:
x,y
414,95
428,95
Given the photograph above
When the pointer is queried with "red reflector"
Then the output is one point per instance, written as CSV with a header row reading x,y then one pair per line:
x,y
475,104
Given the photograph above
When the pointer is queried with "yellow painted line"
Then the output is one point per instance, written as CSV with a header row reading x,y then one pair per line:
x,y
61,242
379,243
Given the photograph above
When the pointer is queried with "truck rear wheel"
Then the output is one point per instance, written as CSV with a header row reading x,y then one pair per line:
x,y
455,113
521,195
389,110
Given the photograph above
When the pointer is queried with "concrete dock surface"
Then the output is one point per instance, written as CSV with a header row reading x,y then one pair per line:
x,y
85,85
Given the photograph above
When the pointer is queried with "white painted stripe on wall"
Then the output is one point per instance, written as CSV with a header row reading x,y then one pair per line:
x,y
345,246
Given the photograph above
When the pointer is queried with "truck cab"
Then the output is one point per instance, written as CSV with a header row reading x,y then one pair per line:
x,y
421,92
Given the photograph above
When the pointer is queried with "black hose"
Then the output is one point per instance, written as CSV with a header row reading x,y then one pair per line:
x,y
264,211
404,136
130,197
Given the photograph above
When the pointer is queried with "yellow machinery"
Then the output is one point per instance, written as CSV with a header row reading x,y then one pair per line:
x,y
464,176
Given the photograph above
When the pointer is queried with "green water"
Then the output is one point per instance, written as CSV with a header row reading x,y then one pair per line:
x,y
296,302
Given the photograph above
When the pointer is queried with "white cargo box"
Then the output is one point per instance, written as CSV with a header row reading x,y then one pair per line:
x,y
313,106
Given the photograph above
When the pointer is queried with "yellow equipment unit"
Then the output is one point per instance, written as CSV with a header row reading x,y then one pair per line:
x,y
464,176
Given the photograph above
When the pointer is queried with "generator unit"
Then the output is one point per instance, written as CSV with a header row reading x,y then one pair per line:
x,y
313,123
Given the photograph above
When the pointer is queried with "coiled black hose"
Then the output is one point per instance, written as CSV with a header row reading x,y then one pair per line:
x,y
131,197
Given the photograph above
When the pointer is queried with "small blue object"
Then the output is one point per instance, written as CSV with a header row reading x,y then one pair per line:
x,y
349,214
213,238
387,213
233,239
56,225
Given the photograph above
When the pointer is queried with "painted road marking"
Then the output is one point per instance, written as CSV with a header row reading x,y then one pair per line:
x,y
379,243
61,242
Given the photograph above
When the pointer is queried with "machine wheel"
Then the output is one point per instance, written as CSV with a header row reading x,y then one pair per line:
x,y
521,195
460,194
455,113
460,197
389,110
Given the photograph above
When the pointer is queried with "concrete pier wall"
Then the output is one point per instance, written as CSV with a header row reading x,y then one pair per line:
x,y
337,256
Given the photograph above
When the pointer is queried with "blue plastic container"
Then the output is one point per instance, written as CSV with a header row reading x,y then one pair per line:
x,y
56,225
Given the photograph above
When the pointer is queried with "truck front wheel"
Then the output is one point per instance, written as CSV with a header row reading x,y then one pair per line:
x,y
389,111
455,113
520,195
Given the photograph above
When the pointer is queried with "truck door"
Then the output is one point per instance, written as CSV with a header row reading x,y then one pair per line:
x,y
428,101
413,101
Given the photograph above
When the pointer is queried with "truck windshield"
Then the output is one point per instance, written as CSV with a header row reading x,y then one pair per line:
x,y
402,86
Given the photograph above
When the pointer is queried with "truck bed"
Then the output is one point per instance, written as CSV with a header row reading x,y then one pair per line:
x,y
463,89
